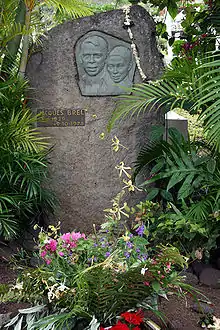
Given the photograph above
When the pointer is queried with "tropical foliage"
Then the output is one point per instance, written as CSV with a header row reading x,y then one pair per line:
x,y
23,169
73,284
25,20
183,176
23,152
182,172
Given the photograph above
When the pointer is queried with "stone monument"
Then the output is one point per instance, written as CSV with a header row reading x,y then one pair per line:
x,y
75,76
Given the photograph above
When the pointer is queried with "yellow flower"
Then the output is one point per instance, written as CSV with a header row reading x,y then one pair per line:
x,y
102,136
116,143
126,238
122,169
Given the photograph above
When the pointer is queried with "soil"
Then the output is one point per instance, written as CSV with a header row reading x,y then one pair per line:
x,y
178,312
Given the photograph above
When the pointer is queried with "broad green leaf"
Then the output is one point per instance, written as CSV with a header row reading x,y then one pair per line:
x,y
176,178
18,326
186,188
172,8
156,286
211,165
153,193
13,321
33,309
166,195
158,166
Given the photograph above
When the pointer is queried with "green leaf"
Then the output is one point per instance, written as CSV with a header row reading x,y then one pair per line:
x,y
172,8
158,166
166,195
156,286
171,41
12,321
186,188
33,309
157,132
211,165
18,326
176,178
153,193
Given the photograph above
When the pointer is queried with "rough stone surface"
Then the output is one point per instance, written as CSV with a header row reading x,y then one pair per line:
x,y
210,277
83,166
4,318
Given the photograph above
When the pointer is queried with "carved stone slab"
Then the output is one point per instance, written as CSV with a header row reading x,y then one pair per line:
x,y
105,64
82,165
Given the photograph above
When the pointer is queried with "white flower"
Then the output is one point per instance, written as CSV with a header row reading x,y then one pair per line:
x,y
62,287
143,271
216,325
18,286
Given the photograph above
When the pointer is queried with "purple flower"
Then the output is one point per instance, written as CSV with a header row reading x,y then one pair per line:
x,y
90,260
103,245
138,250
95,245
140,230
127,254
102,239
107,254
129,245
145,256
131,235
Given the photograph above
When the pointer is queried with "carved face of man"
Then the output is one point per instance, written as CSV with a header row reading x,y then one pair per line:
x,y
119,63
93,54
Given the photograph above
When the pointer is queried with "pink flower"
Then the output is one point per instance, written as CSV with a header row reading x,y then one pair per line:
x,y
76,236
43,253
53,245
147,283
168,265
73,244
61,253
66,237
48,261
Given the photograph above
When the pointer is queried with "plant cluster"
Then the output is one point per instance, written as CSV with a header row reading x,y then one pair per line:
x,y
24,164
74,284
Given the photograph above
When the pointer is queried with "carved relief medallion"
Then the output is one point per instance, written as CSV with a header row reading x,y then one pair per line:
x,y
105,64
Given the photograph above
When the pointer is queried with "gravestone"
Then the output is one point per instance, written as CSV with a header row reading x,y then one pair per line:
x,y
75,77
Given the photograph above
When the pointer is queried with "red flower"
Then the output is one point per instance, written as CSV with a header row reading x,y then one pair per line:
x,y
133,318
136,328
120,326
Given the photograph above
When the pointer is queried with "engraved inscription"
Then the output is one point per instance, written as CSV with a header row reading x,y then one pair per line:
x,y
61,117
105,64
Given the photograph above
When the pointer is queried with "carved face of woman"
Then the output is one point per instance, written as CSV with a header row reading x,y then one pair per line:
x,y
117,68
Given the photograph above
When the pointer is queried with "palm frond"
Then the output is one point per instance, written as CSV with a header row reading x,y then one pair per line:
x,y
76,8
151,97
